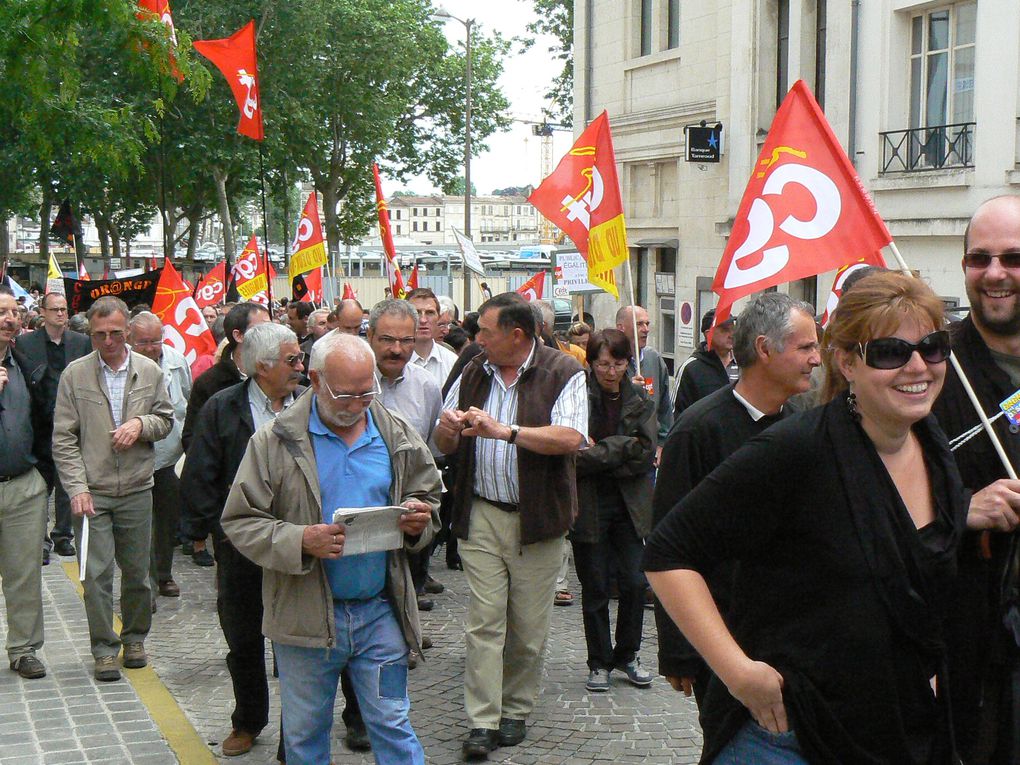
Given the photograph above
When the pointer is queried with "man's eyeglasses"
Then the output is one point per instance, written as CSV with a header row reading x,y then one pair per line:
x,y
893,353
388,340
980,260
362,398
117,334
293,361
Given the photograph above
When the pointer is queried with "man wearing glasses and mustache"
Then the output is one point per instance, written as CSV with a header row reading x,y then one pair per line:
x,y
983,631
275,363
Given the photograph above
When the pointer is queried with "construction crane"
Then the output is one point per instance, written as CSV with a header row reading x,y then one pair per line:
x,y
544,130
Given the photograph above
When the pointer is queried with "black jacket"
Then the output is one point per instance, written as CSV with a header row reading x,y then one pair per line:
x,y
624,458
701,374
980,649
218,443
219,376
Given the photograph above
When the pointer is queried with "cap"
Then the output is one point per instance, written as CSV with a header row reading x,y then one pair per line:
x,y
708,318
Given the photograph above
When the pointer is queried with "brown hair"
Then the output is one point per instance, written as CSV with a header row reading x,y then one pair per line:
x,y
875,307
613,340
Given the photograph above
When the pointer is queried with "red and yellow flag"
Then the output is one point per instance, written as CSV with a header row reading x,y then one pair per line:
x,y
392,268
309,249
236,58
249,273
582,197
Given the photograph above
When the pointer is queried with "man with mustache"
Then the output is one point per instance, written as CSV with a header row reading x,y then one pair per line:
x,y
274,362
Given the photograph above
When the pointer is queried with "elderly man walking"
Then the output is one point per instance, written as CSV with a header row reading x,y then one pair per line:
x,y
514,418
325,611
112,405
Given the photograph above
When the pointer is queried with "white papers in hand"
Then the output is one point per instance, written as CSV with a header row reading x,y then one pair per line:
x,y
370,529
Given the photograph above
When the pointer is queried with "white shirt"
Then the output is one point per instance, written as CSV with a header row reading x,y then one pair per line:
x,y
438,363
756,414
116,379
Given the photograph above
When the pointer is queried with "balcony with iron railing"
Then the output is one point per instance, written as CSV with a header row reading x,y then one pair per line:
x,y
937,147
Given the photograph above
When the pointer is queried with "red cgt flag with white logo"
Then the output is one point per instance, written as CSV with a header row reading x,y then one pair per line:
x,y
804,210
533,288
184,328
212,288
235,57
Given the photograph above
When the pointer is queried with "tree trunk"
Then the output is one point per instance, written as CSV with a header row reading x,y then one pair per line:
x,y
329,202
44,228
194,228
115,239
104,236
5,234
220,179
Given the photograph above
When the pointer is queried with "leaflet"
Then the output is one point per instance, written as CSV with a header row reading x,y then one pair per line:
x,y
370,529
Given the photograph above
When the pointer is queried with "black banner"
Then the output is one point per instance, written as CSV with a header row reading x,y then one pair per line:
x,y
82,293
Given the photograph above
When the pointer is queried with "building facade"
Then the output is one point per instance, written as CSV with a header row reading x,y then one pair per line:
x,y
429,220
922,95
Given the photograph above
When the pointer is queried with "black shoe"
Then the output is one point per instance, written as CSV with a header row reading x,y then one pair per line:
x,y
479,743
65,548
511,732
188,547
29,667
357,737
425,604
433,587
203,558
45,557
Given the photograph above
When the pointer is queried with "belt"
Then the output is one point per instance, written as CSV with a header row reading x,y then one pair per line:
x,y
6,478
506,507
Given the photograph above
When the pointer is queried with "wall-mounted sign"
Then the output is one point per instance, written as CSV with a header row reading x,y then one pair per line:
x,y
685,324
704,142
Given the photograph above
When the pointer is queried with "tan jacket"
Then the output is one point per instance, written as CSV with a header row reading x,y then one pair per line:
x,y
82,446
276,494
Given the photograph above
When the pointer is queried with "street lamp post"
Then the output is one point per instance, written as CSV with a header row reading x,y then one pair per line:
x,y
442,13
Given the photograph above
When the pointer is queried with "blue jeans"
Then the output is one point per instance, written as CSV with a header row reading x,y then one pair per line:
x,y
754,744
369,642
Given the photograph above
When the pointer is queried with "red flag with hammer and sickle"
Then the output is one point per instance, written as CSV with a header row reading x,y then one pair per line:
x,y
235,57
184,328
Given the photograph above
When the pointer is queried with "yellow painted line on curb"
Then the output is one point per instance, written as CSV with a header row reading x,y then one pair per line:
x,y
178,731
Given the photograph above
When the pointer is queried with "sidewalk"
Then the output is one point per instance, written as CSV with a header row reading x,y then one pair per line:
x,y
178,710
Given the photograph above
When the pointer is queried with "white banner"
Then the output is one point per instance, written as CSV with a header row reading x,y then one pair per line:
x,y
467,249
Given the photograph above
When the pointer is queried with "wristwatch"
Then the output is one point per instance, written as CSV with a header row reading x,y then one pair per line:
x,y
514,430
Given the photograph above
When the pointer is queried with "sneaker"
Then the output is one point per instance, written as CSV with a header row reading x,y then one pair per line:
x,y
203,558
433,587
636,674
28,666
106,669
598,681
238,742
134,656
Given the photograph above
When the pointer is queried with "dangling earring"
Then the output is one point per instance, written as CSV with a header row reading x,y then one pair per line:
x,y
851,403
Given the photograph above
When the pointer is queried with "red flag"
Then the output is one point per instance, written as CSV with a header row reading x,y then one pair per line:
x,y
83,274
533,288
235,57
106,270
249,274
804,211
309,249
152,263
582,197
841,276
160,11
307,288
349,293
184,328
412,280
392,269
211,287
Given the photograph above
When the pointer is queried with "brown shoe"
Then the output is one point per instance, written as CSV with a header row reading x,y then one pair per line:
x,y
106,669
238,742
134,656
169,589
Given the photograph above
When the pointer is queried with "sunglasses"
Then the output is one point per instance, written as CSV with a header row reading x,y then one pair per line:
x,y
1008,260
893,353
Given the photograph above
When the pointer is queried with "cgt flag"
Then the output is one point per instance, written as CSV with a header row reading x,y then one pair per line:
x,y
533,288
159,10
212,288
250,274
184,327
235,57
309,249
582,197
804,211
392,268
840,279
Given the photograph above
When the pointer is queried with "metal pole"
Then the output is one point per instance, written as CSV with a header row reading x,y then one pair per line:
x,y
265,225
467,164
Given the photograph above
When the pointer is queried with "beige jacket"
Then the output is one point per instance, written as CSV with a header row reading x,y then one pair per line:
x,y
82,446
276,494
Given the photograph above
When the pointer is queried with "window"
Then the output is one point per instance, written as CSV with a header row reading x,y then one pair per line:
x,y
398,214
414,226
646,27
821,12
398,229
673,23
414,212
425,226
783,52
437,212
942,66
438,227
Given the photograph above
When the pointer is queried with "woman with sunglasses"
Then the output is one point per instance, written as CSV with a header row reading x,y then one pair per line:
x,y
614,497
844,520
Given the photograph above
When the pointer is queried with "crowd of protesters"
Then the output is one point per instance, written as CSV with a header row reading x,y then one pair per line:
x,y
835,580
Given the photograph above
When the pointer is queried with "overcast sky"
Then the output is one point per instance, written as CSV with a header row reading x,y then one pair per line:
x,y
513,158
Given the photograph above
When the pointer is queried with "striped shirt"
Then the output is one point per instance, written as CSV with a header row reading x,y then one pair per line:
x,y
496,460
116,379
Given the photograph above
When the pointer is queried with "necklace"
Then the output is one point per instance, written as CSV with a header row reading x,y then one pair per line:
x,y
612,396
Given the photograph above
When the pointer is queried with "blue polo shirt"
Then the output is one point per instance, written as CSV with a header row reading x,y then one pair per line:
x,y
352,476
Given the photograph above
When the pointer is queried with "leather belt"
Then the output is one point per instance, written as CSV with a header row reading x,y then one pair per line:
x,y
6,478
506,507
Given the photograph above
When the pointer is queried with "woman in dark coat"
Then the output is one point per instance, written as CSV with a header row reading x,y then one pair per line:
x,y
615,499
844,520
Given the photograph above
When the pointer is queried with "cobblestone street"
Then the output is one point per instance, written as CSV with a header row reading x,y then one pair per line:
x,y
69,718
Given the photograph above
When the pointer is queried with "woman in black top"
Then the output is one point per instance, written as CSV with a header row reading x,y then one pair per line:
x,y
844,520
614,497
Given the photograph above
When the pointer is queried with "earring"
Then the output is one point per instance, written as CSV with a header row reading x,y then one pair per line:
x,y
851,404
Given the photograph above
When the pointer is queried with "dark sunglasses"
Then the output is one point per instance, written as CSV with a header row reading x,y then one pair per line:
x,y
983,260
893,353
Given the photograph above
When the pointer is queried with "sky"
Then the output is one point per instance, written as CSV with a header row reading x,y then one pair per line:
x,y
513,158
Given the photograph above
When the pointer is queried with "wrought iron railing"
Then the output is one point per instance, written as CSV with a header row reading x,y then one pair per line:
x,y
937,147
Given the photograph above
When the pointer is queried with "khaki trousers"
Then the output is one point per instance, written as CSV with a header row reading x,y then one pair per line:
x,y
22,528
512,589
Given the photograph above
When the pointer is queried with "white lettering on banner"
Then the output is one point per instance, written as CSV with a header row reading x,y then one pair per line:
x,y
828,207
174,339
304,230
251,103
211,290
169,21
529,294
581,209
247,266
188,318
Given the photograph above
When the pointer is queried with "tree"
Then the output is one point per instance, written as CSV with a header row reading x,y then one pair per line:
x,y
513,191
556,18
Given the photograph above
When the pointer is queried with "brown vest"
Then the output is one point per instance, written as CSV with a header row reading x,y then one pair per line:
x,y
547,489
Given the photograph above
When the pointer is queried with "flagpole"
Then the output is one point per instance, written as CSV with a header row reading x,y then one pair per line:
x,y
633,313
265,223
968,388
